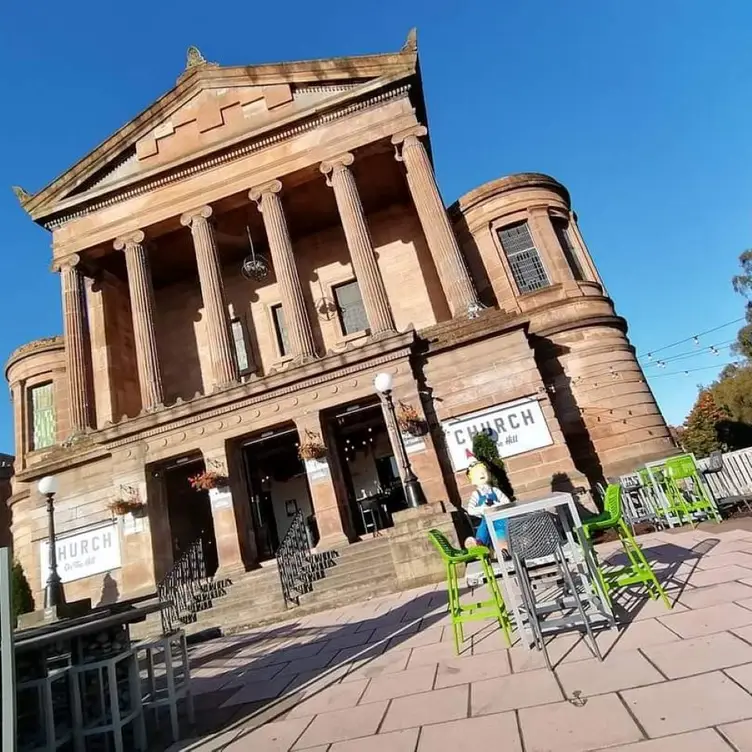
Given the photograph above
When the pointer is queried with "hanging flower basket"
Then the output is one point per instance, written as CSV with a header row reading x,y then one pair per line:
x,y
207,480
311,448
409,421
121,507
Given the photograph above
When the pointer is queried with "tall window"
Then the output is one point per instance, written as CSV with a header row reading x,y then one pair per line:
x,y
280,330
352,313
524,259
561,226
42,416
240,341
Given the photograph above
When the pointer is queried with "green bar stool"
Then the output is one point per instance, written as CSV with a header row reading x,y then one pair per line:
x,y
638,571
684,469
494,608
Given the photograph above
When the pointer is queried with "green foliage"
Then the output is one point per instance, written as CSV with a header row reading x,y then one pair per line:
x,y
742,284
22,601
701,429
485,450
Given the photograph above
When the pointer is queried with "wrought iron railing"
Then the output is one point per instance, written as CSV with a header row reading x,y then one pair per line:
x,y
187,589
298,566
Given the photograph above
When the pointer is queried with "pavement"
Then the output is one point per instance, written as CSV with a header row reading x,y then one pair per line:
x,y
382,675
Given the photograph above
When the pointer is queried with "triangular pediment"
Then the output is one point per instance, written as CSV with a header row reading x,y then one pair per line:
x,y
212,106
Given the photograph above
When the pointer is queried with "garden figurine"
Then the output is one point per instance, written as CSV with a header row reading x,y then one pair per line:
x,y
484,498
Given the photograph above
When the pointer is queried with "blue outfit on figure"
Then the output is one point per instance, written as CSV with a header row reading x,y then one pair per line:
x,y
488,497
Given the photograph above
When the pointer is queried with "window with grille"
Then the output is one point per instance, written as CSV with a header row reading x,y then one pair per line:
x,y
524,259
561,226
240,340
352,313
42,416
280,330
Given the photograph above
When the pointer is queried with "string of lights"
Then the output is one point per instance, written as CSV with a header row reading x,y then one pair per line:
x,y
714,349
693,337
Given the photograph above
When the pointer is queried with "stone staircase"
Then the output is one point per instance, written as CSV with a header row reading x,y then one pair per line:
x,y
360,571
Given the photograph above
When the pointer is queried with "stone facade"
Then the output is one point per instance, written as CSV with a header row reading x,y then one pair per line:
x,y
319,174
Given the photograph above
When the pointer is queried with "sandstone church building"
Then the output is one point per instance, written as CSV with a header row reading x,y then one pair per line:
x,y
238,263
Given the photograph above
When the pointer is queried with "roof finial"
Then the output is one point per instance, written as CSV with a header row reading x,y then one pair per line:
x,y
411,43
194,58
22,195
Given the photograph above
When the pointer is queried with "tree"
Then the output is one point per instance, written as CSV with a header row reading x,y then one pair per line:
x,y
22,601
701,429
743,285
486,450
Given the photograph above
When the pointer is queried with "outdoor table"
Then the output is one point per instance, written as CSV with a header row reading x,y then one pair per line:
x,y
577,550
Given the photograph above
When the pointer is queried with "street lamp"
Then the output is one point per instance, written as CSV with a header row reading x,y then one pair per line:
x,y
53,591
413,492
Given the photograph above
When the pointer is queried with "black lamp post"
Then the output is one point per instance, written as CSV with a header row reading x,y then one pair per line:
x,y
414,495
53,590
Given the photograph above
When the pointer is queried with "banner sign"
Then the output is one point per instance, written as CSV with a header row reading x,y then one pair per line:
x,y
83,554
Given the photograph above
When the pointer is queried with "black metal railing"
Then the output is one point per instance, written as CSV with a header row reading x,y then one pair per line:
x,y
187,589
298,566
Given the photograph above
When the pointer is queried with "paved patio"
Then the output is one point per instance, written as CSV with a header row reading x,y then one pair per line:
x,y
382,675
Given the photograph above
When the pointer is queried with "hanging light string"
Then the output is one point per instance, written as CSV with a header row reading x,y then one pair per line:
x,y
714,349
693,370
693,338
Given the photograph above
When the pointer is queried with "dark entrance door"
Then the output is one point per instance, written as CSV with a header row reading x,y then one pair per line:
x,y
264,524
190,513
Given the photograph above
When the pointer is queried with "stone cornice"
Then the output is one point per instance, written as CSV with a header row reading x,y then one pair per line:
x,y
32,348
461,331
236,148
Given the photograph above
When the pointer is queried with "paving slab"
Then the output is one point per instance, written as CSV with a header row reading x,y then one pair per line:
x,y
396,741
336,697
342,725
491,732
703,621
739,734
623,670
515,691
428,707
400,684
725,592
706,740
472,668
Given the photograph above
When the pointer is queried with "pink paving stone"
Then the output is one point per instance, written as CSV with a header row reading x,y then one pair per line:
x,y
491,732
725,592
336,697
342,725
489,642
714,576
746,603
740,735
255,691
350,640
441,651
699,655
715,561
388,663
396,741
602,722
706,740
636,635
272,737
704,621
651,609
559,648
428,707
742,675
687,704
312,663
400,684
405,640
623,670
472,668
513,692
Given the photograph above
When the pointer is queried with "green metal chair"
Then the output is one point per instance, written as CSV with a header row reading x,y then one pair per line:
x,y
494,608
638,571
685,490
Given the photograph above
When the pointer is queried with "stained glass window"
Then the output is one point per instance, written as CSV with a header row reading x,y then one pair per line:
x,y
524,259
280,329
42,416
352,312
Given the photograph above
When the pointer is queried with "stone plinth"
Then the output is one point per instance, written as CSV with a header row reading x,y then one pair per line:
x,y
416,560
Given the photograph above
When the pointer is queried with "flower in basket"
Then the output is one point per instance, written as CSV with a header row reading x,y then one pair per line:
x,y
311,448
409,421
207,480
121,507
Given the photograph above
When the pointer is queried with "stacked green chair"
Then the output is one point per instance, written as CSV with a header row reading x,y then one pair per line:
x,y
638,571
686,502
494,608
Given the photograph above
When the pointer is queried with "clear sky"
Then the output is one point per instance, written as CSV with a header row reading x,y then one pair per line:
x,y
641,108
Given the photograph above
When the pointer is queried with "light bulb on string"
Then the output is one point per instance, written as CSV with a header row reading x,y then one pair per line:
x,y
696,340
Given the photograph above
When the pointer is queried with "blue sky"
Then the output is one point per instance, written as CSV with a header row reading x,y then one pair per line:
x,y
640,108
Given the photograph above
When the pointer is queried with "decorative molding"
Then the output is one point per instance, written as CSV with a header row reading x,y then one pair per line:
x,y
257,193
230,154
411,43
66,263
417,131
43,343
194,58
203,212
22,195
342,161
134,238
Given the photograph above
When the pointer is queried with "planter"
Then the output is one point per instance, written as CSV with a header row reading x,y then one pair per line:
x,y
121,507
209,480
312,448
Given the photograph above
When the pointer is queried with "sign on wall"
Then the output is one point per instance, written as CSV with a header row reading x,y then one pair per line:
x,y
83,554
518,427
317,469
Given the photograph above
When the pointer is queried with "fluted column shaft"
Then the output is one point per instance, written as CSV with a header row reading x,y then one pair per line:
x,y
142,311
291,292
450,264
351,213
74,329
224,363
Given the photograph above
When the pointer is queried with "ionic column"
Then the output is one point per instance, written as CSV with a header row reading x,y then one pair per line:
x,y
296,317
142,311
455,278
221,351
74,330
350,208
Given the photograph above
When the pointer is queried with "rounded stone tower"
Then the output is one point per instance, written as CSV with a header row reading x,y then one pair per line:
x,y
526,252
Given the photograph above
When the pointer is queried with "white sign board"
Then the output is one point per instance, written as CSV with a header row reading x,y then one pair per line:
x,y
518,427
83,554
317,469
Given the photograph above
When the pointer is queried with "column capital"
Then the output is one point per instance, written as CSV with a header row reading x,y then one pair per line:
x,y
416,131
203,212
335,164
65,263
257,192
129,239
